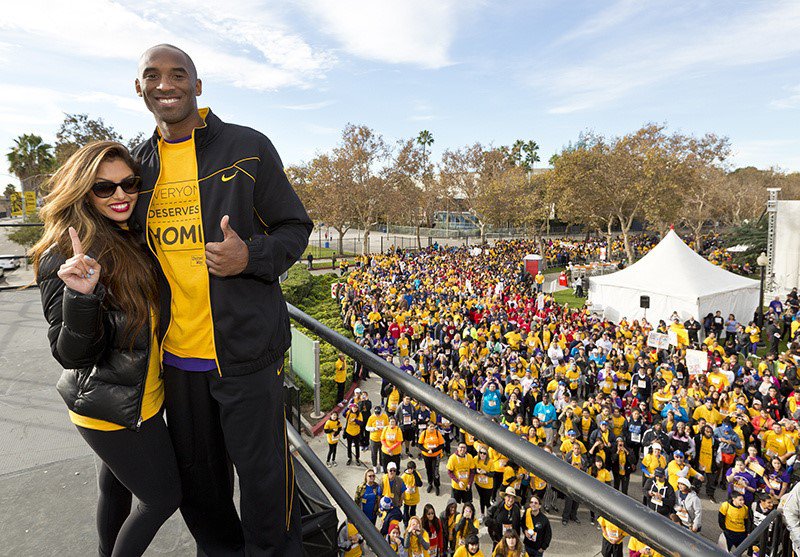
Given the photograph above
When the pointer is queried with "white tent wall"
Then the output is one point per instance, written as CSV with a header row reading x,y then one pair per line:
x,y
787,246
741,303
625,302
677,280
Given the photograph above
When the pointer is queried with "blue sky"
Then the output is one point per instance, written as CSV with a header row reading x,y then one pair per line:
x,y
300,70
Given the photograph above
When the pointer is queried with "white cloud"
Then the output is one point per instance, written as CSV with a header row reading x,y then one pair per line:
x,y
132,103
308,106
792,101
674,53
767,153
247,48
418,32
612,16
317,129
42,109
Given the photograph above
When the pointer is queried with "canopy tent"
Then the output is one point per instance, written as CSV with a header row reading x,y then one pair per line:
x,y
676,278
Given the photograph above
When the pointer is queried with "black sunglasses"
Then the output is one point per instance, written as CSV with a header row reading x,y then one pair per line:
x,y
107,189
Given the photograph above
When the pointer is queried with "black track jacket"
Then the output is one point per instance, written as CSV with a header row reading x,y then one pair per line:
x,y
251,324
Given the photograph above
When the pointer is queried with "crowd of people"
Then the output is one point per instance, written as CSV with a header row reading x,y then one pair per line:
x,y
473,325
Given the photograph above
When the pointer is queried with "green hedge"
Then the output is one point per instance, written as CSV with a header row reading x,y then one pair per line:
x,y
312,294
297,285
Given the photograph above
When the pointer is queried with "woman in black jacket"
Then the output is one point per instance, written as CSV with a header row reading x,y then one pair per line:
x,y
99,297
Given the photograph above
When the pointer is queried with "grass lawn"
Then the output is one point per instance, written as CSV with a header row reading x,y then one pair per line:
x,y
319,252
552,270
568,297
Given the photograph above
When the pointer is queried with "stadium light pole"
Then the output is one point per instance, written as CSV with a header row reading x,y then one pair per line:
x,y
762,265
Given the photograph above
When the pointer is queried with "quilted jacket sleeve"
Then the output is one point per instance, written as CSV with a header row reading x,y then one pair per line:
x,y
75,320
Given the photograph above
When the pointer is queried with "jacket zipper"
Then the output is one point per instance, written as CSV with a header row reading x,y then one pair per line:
x,y
202,228
146,370
153,251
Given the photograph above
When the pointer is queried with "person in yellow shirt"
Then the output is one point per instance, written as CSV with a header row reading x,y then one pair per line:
x,y
571,439
754,333
333,429
352,432
776,443
733,520
340,376
403,345
471,547
466,523
350,541
461,469
484,477
602,474
613,537
391,443
374,427
708,412
652,460
413,482
678,468
641,549
717,379
431,443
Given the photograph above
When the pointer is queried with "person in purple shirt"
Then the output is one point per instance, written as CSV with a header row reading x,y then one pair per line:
x,y
741,481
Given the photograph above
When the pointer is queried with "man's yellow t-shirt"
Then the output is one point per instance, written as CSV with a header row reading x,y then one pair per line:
x,y
777,445
735,517
175,231
460,467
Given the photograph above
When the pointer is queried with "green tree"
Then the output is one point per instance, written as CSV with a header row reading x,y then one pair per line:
x,y
77,130
523,154
30,158
10,188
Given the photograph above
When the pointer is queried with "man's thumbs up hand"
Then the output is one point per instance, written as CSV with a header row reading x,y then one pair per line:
x,y
228,257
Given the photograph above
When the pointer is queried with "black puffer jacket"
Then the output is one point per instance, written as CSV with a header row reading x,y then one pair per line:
x,y
103,377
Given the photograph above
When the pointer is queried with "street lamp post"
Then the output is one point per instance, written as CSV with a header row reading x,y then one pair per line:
x,y
762,261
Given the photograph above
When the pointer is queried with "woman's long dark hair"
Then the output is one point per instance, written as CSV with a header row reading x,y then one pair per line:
x,y
127,272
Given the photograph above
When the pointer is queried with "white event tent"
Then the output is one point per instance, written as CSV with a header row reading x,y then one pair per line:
x,y
677,279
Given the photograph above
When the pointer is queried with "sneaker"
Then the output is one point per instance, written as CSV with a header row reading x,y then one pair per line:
x,y
349,461
328,464
563,522
359,463
437,490
333,463
430,488
576,520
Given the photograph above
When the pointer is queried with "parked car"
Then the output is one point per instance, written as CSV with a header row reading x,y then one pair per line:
x,y
9,262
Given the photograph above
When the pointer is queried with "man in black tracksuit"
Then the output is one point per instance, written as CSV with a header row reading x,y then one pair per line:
x,y
223,223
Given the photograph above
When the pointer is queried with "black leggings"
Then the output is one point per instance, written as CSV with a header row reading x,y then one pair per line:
x,y
141,463
485,497
331,452
353,441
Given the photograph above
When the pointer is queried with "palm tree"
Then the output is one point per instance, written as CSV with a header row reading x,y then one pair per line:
x,y
29,157
424,139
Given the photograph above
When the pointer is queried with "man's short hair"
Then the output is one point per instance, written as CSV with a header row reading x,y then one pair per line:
x,y
190,63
